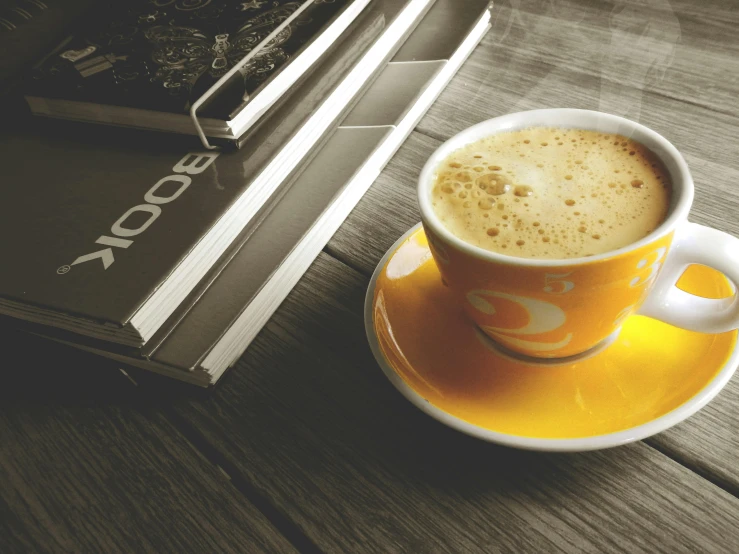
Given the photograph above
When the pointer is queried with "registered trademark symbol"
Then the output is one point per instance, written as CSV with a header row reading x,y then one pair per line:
x,y
61,270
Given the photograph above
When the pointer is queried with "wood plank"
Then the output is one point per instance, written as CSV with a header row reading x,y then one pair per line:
x,y
309,419
655,46
708,441
85,466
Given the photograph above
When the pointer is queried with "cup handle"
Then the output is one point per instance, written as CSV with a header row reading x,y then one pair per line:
x,y
696,244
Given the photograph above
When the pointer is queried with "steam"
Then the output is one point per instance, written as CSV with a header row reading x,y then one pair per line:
x,y
620,52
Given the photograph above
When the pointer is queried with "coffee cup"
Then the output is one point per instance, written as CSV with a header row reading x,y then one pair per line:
x,y
559,308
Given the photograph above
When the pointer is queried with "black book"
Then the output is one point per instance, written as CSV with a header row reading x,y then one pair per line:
x,y
148,63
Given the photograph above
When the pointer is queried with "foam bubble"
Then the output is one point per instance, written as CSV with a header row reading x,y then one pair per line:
x,y
494,183
523,190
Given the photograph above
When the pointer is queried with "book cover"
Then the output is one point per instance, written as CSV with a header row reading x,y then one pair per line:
x,y
101,218
161,55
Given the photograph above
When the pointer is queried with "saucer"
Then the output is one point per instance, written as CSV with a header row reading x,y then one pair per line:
x,y
650,377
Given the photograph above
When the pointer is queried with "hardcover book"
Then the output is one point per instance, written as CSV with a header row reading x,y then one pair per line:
x,y
145,63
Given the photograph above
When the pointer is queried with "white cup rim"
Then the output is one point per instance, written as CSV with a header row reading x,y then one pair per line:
x,y
682,182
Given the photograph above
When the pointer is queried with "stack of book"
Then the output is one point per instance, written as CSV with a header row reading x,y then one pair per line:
x,y
147,244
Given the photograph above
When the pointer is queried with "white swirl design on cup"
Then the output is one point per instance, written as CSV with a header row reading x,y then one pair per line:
x,y
543,316
653,268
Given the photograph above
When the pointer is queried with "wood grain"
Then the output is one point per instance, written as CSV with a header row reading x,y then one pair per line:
x,y
309,419
85,466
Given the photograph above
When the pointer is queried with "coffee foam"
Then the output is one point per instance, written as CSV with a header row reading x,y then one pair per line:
x,y
551,193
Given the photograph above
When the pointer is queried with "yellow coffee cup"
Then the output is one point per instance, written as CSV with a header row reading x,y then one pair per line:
x,y
562,308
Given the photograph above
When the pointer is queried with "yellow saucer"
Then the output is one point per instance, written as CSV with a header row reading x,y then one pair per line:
x,y
651,377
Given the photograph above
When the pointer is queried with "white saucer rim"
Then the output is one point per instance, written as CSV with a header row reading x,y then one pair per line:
x,y
580,444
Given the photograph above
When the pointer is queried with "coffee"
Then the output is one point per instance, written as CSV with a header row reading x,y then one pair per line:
x,y
551,192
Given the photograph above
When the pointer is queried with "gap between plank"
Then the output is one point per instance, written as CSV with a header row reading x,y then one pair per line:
x,y
279,521
716,480
328,250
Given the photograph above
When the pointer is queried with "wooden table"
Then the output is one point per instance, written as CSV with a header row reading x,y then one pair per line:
x,y
305,446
